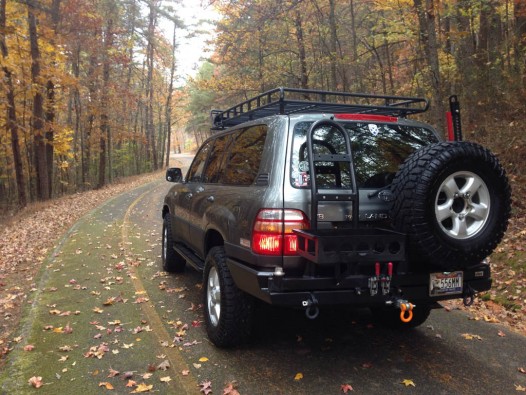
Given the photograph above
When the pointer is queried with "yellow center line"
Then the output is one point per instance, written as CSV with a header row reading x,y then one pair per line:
x,y
189,384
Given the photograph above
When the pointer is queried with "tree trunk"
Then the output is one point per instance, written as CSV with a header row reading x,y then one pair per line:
x,y
50,112
304,77
169,101
429,42
104,118
150,130
38,109
12,123
519,10
333,45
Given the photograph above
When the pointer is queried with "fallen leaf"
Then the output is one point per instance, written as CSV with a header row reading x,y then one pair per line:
x,y
469,336
408,383
520,388
142,388
231,389
166,379
522,370
203,359
36,381
185,372
346,388
298,376
501,334
131,383
165,365
29,347
205,387
106,385
113,373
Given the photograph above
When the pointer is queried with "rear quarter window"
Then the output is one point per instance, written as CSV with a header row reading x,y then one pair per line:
x,y
244,158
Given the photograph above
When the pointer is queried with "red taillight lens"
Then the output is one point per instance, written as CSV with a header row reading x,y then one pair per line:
x,y
272,233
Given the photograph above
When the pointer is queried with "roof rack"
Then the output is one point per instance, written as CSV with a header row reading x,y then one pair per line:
x,y
300,101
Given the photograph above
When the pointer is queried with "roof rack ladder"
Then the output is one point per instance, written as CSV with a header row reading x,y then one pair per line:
x,y
329,195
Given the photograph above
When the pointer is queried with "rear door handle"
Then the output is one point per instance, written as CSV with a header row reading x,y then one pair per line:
x,y
210,199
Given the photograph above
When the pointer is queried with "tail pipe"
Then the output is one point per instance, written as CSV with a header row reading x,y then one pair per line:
x,y
312,310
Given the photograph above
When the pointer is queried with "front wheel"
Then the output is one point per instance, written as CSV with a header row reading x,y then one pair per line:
x,y
228,310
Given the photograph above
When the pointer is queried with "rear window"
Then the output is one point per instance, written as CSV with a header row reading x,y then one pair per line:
x,y
378,150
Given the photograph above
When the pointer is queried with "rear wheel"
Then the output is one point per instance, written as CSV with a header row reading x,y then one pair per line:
x,y
228,310
172,261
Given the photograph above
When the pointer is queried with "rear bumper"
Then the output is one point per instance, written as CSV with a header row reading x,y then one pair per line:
x,y
350,290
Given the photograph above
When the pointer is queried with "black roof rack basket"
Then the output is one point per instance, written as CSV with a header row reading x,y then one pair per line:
x,y
300,101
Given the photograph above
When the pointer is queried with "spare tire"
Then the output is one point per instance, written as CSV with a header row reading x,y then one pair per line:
x,y
453,200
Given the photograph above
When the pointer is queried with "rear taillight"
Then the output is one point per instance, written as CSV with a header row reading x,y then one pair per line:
x,y
272,233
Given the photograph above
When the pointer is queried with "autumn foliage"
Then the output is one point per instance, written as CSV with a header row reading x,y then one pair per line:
x,y
83,94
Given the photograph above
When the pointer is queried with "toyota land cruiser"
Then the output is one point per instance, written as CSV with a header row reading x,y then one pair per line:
x,y
307,198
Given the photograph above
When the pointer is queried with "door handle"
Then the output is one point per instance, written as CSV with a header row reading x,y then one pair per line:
x,y
210,199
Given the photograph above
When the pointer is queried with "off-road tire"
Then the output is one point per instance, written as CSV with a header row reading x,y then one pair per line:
x,y
228,310
389,317
172,261
453,200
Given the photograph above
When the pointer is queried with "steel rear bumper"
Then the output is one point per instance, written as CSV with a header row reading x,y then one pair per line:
x,y
351,290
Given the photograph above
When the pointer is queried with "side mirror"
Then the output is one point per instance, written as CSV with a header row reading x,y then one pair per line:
x,y
174,174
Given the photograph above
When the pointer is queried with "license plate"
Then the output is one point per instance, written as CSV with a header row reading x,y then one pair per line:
x,y
445,283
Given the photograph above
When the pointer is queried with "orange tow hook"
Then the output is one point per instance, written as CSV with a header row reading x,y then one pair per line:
x,y
406,308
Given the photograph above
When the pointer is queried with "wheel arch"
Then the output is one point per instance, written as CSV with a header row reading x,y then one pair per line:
x,y
213,238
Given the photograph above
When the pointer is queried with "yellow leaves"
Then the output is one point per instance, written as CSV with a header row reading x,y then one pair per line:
x,y
203,359
298,377
470,336
142,388
408,383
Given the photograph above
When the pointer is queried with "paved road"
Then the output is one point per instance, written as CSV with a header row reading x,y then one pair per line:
x,y
104,306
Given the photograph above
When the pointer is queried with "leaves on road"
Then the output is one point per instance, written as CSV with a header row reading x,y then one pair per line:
x,y
408,383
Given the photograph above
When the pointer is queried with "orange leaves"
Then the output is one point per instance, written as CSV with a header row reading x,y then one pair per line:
x,y
106,385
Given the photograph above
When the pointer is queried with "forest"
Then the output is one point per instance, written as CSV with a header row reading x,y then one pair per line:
x,y
88,90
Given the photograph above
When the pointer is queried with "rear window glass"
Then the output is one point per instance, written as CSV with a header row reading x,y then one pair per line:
x,y
378,150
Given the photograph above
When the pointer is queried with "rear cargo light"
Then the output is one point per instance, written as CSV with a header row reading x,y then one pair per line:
x,y
273,231
366,117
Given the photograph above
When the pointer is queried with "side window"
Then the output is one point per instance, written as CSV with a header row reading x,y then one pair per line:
x,y
215,165
196,169
245,156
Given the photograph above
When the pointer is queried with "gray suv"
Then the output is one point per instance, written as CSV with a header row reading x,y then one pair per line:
x,y
307,198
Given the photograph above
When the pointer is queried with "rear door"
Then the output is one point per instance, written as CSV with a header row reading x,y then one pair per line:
x,y
182,219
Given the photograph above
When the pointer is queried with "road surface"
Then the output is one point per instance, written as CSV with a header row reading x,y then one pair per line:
x,y
106,319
